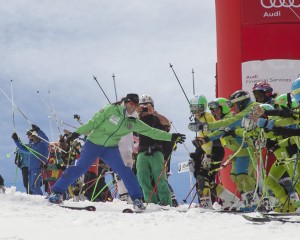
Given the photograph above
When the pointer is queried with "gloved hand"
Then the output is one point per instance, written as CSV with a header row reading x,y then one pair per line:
x,y
35,128
270,124
72,136
206,161
15,137
286,112
178,137
198,142
198,126
228,131
191,165
76,117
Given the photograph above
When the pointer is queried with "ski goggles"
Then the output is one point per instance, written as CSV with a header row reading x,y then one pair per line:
x,y
198,107
230,103
258,93
131,102
214,105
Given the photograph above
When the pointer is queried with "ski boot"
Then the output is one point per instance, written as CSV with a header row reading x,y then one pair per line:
x,y
125,197
2,189
55,198
250,200
138,205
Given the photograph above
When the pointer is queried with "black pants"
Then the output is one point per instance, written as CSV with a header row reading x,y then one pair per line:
x,y
218,154
25,179
1,181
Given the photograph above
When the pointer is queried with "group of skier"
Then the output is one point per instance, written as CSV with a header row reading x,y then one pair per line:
x,y
261,135
263,138
67,165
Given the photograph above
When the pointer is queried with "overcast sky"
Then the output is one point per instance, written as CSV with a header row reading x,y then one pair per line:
x,y
59,45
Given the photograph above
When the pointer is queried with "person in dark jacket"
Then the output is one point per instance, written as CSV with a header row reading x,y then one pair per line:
x,y
150,159
39,152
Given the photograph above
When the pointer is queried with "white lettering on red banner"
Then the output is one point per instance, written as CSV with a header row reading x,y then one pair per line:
x,y
280,3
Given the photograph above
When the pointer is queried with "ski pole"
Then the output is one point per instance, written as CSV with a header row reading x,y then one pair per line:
x,y
50,110
189,193
8,155
101,88
48,142
15,105
193,81
12,105
113,76
192,200
171,66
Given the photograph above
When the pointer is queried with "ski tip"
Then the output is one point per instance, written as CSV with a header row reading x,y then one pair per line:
x,y
90,208
256,219
128,210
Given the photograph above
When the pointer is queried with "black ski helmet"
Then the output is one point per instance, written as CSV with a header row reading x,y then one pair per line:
x,y
241,97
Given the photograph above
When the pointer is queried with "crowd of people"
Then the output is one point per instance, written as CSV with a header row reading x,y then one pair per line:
x,y
132,141
76,166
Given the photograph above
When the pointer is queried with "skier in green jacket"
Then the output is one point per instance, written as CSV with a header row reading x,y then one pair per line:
x,y
105,130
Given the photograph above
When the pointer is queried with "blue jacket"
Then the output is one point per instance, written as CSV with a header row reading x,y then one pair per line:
x,y
38,151
24,158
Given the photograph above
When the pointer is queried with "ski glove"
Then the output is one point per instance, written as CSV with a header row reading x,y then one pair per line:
x,y
34,128
198,126
15,137
199,141
285,112
76,117
271,124
72,136
262,123
178,137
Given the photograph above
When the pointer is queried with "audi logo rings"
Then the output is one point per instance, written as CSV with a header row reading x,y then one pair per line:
x,y
280,3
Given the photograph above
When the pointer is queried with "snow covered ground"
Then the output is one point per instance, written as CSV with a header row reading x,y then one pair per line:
x,y
27,217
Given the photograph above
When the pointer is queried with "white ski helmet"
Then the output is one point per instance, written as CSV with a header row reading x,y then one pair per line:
x,y
198,103
146,99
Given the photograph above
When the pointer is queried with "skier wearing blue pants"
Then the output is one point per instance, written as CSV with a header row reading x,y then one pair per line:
x,y
105,130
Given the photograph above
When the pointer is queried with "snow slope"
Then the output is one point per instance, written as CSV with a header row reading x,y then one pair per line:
x,y
27,217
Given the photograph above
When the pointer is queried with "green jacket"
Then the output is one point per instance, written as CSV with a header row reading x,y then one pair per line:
x,y
108,125
233,122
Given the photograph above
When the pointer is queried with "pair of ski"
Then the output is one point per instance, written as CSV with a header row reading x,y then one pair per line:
x,y
182,210
269,217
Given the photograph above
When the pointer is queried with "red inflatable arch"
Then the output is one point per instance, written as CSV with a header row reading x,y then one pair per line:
x,y
257,40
